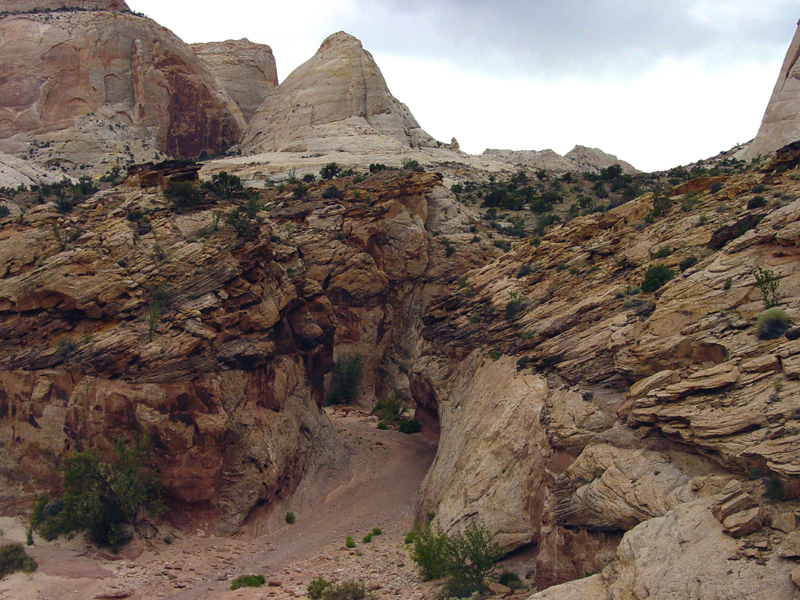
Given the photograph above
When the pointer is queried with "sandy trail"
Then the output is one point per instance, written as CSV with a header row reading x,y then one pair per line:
x,y
387,469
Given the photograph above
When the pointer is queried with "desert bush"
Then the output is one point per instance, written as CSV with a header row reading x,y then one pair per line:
x,y
772,324
509,579
367,539
309,178
330,171
99,496
376,531
466,559
347,590
183,195
715,187
513,308
768,286
227,186
662,252
661,205
349,542
411,165
346,376
248,581
429,551
409,426
299,191
316,588
4,212
688,262
291,519
756,202
331,192
390,409
655,277
13,558
524,271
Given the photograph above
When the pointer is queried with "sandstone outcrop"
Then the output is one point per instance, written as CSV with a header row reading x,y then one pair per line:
x,y
88,89
629,381
577,160
781,123
338,100
245,70
113,329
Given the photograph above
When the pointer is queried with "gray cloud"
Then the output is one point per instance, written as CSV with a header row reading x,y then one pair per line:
x,y
605,38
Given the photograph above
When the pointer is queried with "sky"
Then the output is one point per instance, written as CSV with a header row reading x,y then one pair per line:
x,y
658,83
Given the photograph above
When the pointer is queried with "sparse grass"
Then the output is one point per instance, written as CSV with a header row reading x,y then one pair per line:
x,y
316,588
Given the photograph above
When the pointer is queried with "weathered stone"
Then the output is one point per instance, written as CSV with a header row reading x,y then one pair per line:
x,y
499,589
744,522
784,521
761,364
246,70
781,123
336,99
790,546
796,576
104,88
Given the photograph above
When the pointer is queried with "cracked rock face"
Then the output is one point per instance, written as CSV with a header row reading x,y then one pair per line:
x,y
336,100
100,88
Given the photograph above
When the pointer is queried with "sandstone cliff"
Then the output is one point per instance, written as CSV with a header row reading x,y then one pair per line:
x,y
781,124
338,100
245,70
591,410
93,89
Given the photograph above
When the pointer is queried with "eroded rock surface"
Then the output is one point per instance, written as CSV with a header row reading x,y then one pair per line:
x,y
338,100
92,89
246,70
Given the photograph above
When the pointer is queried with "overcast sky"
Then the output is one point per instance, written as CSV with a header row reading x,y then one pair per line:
x,y
657,82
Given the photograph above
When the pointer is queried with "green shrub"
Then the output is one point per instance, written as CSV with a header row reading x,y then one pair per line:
x,y
346,376
509,579
409,539
299,191
410,164
13,558
688,262
376,531
247,581
655,277
768,286
774,489
100,496
390,409
728,283
662,252
409,426
756,202
382,426
772,324
661,205
513,308
715,187
429,551
316,588
367,538
347,590
291,519
183,195
331,192
309,178
349,542
330,171
4,212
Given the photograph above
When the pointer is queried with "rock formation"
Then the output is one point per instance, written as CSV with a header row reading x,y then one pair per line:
x,y
336,100
91,89
27,6
579,159
245,70
781,124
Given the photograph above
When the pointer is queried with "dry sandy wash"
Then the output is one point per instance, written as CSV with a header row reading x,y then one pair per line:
x,y
387,469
